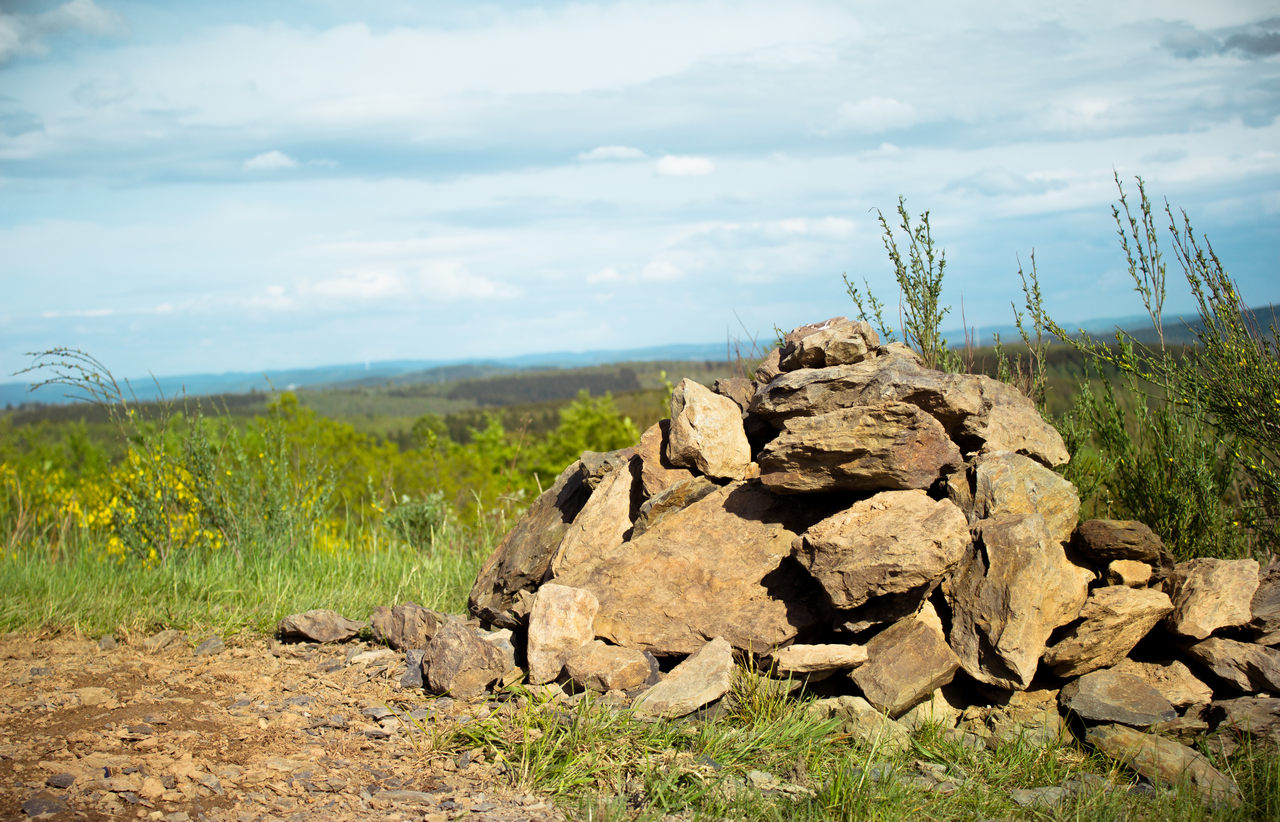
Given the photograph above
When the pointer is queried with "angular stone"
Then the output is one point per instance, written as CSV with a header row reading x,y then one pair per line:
x,y
319,625
1030,717
938,709
1103,540
459,663
808,659
1015,588
864,448
863,723
880,611
1113,620
562,620
675,498
596,465
960,492
700,680
1209,594
707,432
905,663
1249,667
719,567
768,367
837,341
502,591
603,522
738,389
657,474
1008,483
1257,716
412,676
1265,605
1113,696
212,645
603,668
405,626
979,413
160,640
1171,678
1163,760
894,542
1129,572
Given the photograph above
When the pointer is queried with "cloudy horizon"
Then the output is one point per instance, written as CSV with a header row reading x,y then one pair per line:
x,y
244,186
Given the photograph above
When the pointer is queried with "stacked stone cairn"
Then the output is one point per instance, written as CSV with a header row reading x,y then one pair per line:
x,y
887,536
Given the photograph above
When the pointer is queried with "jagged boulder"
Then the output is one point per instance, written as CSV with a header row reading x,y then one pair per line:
x,y
707,432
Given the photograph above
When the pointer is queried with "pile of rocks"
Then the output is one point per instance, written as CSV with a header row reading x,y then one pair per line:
x,y
890,533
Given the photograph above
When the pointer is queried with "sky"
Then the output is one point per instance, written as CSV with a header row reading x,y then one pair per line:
x,y
241,186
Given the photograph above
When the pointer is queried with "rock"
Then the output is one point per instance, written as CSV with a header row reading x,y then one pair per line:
x,y
603,522
107,643
212,645
1113,620
603,668
960,492
1249,667
44,804
676,497
880,611
1028,717
1171,678
837,341
405,626
319,625
719,567
738,389
864,723
412,677
905,663
502,640
1103,540
1129,572
938,709
1163,760
1008,483
657,474
1265,605
977,412
1257,716
161,640
1047,797
1015,587
768,368
863,448
1209,594
501,594
701,679
808,659
596,465
1114,696
707,433
459,663
562,620
892,543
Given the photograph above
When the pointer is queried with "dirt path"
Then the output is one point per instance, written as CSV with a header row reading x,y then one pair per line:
x,y
255,731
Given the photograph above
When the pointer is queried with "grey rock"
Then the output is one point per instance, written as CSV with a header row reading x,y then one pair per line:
x,y
1257,716
412,677
212,645
107,643
1209,594
1114,696
1047,797
861,448
1247,666
44,804
701,679
319,625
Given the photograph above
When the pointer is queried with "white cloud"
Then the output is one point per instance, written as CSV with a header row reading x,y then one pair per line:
x,y
613,153
661,271
270,161
450,280
83,312
672,165
824,227
873,114
604,275
365,284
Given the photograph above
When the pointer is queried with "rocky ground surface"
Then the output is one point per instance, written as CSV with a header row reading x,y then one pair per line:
x,y
154,729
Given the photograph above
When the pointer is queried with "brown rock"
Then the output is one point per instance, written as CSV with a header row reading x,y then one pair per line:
x,y
1209,594
1103,540
1109,695
1257,716
319,625
977,412
458,662
1163,760
1129,572
603,668
596,465
938,709
881,611
738,389
1014,589
906,662
701,679
960,492
562,620
1113,620
1249,667
602,523
863,723
1265,605
707,432
768,367
1171,678
808,659
675,498
864,448
502,591
657,474
837,341
405,626
715,568
892,543
1008,483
